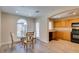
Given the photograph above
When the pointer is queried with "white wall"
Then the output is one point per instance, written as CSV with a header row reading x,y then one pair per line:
x,y
37,21
9,25
44,36
0,28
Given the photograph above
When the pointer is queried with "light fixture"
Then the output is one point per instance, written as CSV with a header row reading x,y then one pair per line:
x,y
56,16
16,11
37,11
74,13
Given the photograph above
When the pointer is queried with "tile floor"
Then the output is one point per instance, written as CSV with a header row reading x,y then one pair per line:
x,y
53,46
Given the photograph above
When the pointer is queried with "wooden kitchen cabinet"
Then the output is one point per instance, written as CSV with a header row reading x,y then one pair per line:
x,y
62,24
62,35
58,35
67,23
67,36
58,24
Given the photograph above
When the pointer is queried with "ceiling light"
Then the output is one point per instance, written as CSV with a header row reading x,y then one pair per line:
x,y
56,16
74,13
37,11
16,11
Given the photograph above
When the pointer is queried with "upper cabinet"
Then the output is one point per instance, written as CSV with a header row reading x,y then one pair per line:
x,y
58,24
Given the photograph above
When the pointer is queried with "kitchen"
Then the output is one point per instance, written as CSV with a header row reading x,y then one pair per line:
x,y
62,26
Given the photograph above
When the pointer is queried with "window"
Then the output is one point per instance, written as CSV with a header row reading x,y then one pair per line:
x,y
37,29
50,25
21,28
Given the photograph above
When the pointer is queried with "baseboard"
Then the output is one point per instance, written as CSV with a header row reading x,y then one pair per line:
x,y
9,42
44,41
4,43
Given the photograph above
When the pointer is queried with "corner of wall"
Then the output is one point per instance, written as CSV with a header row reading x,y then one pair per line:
x,y
0,28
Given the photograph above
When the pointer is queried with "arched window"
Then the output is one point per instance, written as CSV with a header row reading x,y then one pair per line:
x,y
21,28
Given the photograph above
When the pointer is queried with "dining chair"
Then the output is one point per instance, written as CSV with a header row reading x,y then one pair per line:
x,y
29,39
12,35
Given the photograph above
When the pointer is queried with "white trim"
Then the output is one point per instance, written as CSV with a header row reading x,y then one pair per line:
x,y
44,41
4,43
9,42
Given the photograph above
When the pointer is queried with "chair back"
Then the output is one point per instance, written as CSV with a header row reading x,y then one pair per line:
x,y
30,35
12,36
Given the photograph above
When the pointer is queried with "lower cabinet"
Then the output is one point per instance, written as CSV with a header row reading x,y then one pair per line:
x,y
67,36
50,36
62,35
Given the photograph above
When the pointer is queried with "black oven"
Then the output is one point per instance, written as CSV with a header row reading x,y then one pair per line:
x,y
75,33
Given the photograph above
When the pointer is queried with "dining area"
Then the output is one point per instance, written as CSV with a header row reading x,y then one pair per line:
x,y
25,43
21,35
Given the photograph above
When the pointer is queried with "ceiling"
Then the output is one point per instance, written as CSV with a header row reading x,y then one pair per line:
x,y
32,11
67,14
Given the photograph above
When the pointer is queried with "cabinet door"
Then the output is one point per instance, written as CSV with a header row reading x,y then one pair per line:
x,y
62,35
68,23
59,24
58,35
67,36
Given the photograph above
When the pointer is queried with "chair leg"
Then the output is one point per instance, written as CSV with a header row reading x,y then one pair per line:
x,y
34,40
11,46
32,44
25,45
